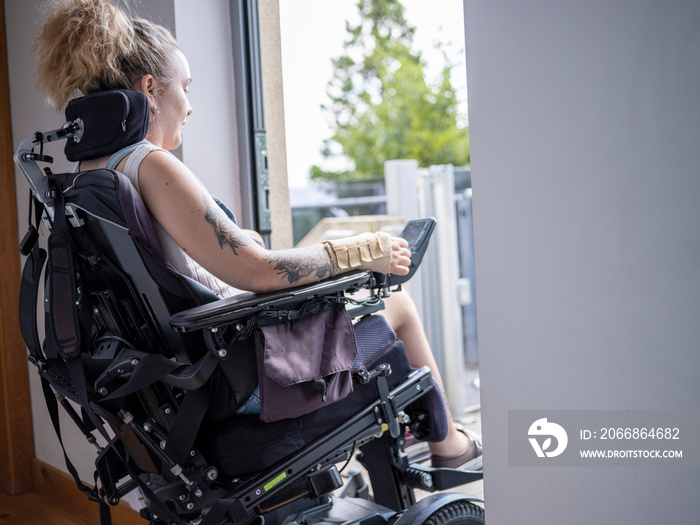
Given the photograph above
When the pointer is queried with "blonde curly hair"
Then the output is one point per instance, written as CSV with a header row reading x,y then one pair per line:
x,y
84,46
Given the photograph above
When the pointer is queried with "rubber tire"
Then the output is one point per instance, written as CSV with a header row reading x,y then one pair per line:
x,y
457,513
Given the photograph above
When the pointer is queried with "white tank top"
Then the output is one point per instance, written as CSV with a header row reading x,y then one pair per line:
x,y
177,257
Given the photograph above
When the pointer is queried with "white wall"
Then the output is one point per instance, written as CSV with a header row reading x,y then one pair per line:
x,y
585,138
210,140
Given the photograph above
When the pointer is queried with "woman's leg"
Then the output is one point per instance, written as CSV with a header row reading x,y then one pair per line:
x,y
401,314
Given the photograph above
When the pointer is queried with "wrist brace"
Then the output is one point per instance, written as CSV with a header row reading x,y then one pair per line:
x,y
367,251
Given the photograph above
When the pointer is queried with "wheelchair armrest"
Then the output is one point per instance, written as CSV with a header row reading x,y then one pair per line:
x,y
232,309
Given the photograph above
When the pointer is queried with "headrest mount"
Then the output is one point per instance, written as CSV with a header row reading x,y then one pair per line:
x,y
110,121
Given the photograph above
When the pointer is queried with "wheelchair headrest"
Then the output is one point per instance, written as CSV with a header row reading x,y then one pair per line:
x,y
111,120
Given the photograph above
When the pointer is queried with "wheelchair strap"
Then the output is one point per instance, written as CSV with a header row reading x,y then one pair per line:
x,y
189,417
63,294
117,157
149,370
29,291
186,426
219,510
90,492
29,286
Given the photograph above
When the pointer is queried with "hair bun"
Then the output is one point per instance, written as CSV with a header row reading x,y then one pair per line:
x,y
84,46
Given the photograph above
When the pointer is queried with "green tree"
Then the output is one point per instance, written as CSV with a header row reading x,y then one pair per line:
x,y
381,105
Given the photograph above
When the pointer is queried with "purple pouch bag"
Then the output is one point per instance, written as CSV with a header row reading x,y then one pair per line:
x,y
305,364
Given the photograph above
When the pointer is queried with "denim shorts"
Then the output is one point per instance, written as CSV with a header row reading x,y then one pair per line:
x,y
250,405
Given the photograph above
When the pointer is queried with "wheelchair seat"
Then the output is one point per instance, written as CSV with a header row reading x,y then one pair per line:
x,y
158,367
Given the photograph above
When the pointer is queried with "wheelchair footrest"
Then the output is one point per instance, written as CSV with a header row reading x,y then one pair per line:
x,y
431,479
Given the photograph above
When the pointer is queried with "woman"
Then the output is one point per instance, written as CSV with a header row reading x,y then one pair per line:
x,y
85,46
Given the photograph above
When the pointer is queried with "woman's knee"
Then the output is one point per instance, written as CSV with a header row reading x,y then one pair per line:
x,y
399,309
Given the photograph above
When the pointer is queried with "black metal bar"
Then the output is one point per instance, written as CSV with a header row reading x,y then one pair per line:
x,y
248,97
388,487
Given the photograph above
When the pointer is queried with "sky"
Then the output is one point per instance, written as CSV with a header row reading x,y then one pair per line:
x,y
313,32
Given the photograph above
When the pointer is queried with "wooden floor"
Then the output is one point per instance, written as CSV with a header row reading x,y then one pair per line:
x,y
31,509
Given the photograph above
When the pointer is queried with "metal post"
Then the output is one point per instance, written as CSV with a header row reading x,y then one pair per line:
x,y
439,202
401,194
430,192
402,198
467,289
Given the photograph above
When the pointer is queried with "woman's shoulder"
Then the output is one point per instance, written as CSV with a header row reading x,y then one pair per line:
x,y
162,164
160,168
152,157
145,149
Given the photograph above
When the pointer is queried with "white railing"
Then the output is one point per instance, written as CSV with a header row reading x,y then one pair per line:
x,y
437,288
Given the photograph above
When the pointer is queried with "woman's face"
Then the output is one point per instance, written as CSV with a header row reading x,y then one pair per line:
x,y
172,105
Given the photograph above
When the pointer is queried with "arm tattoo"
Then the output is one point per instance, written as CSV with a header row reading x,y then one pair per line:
x,y
294,265
225,234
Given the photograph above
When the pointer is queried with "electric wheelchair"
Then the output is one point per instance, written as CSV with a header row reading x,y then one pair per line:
x,y
151,366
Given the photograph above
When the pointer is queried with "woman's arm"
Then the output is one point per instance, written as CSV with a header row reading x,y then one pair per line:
x,y
177,200
255,236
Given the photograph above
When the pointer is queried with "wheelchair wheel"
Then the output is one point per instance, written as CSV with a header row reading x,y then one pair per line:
x,y
457,513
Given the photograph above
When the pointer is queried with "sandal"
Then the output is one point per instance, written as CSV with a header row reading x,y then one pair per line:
x,y
470,459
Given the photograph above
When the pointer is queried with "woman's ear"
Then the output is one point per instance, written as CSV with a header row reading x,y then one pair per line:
x,y
147,85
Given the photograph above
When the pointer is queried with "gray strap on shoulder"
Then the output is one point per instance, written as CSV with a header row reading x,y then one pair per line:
x,y
117,157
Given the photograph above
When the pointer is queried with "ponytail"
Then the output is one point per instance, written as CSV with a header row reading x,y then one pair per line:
x,y
84,46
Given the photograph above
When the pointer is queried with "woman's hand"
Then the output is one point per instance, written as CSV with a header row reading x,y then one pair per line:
x,y
400,256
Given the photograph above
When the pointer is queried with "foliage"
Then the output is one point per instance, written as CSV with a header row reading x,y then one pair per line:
x,y
381,105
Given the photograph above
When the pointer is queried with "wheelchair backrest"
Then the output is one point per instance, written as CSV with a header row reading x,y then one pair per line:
x,y
108,285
